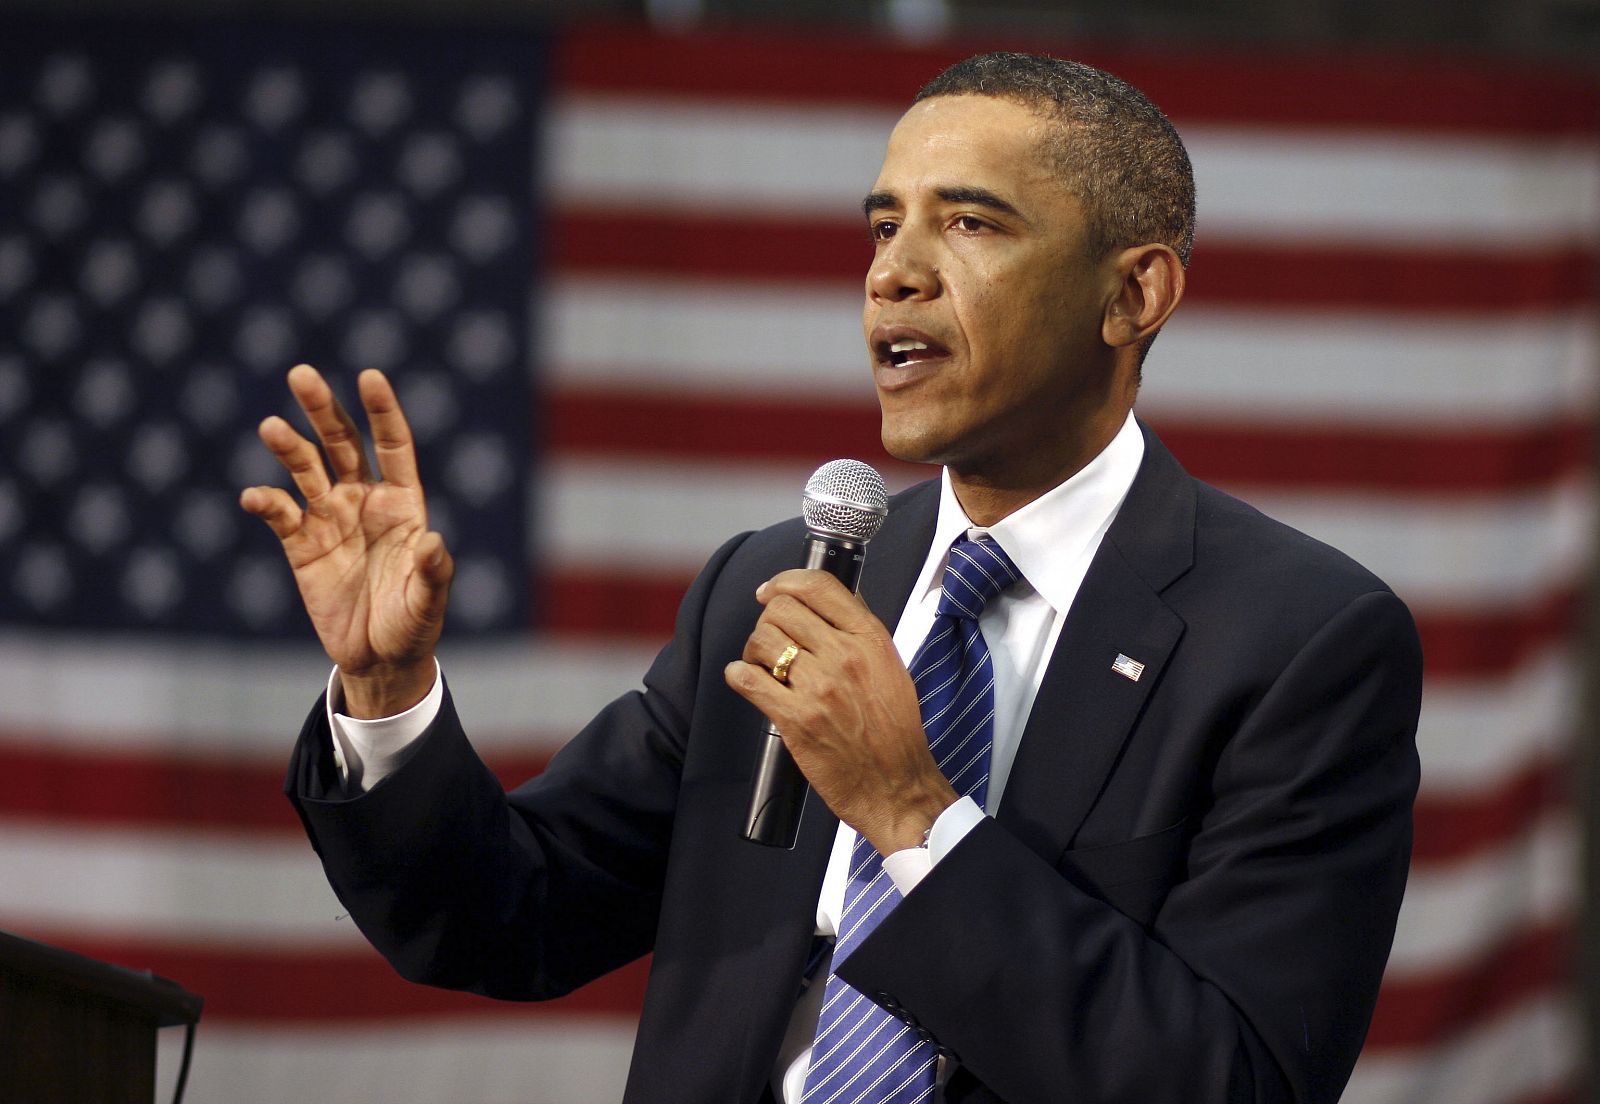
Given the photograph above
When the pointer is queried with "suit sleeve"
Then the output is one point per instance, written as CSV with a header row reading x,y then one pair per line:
x,y
1255,979
525,895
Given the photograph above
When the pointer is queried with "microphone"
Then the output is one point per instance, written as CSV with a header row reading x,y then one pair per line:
x,y
844,504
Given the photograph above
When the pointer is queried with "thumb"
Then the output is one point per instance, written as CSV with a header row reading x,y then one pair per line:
x,y
434,569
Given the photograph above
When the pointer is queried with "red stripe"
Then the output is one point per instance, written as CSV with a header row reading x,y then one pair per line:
x,y
41,780
1345,457
1286,87
267,985
1450,828
1480,644
77,787
610,242
1476,460
1468,644
1429,1010
707,427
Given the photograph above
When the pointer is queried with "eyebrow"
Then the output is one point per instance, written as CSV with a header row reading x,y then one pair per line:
x,y
981,197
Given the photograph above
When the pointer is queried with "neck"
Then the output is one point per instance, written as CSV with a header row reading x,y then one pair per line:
x,y
988,493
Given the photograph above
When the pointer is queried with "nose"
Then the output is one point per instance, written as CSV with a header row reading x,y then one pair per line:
x,y
900,271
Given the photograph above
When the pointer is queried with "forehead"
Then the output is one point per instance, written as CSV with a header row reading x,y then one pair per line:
x,y
968,139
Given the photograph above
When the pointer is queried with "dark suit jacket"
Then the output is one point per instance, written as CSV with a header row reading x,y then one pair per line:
x,y
1187,895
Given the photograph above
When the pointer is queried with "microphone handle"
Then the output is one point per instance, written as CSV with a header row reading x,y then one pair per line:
x,y
778,791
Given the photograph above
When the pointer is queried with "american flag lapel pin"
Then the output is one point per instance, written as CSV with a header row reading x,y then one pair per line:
x,y
1129,669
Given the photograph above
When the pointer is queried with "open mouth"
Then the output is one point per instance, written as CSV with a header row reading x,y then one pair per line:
x,y
909,350
901,352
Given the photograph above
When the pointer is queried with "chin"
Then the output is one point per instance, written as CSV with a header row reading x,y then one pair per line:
x,y
913,446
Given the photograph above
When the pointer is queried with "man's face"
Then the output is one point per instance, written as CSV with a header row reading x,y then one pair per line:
x,y
983,307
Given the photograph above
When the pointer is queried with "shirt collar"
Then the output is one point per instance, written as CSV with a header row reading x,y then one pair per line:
x,y
1046,538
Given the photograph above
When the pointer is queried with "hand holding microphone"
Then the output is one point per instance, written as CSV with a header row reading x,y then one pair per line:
x,y
844,504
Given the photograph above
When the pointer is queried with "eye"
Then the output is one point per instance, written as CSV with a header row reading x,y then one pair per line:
x,y
969,224
882,229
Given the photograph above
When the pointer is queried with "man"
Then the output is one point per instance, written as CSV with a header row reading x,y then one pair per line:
x,y
1169,865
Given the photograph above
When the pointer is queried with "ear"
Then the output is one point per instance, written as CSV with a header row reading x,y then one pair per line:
x,y
1150,281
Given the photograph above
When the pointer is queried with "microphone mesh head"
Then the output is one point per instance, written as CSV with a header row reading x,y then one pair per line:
x,y
845,498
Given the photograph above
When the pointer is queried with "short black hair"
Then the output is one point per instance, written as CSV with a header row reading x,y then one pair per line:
x,y
1118,154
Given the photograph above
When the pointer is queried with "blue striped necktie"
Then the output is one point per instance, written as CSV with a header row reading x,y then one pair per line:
x,y
862,1054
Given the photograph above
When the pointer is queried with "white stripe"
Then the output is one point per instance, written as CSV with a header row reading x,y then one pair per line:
x,y
243,702
194,887
1455,912
147,696
851,1019
705,337
1460,552
1385,369
216,888
890,896
608,514
867,1063
1375,187
993,561
842,990
871,1087
1474,734
672,153
1529,1050
1455,553
513,1058
879,883
676,153
922,1069
804,340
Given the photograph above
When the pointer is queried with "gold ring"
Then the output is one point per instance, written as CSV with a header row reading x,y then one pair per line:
x,y
780,669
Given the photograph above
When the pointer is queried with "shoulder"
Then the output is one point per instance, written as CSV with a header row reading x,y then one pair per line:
x,y
1212,554
1233,535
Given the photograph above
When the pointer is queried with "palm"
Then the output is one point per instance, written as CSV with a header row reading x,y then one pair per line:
x,y
371,575
354,564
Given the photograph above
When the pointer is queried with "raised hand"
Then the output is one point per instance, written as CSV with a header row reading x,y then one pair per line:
x,y
372,576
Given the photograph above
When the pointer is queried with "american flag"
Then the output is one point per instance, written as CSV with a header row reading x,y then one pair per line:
x,y
616,277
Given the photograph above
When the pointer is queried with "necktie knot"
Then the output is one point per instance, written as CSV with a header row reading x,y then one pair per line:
x,y
976,571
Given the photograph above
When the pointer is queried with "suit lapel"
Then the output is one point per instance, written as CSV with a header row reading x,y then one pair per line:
x,y
1086,708
896,555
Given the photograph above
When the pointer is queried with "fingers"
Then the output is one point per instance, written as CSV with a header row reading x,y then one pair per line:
x,y
822,595
391,434
766,645
333,425
298,456
274,506
755,684
786,619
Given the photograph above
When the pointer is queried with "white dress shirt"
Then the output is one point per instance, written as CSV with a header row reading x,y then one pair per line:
x,y
1051,541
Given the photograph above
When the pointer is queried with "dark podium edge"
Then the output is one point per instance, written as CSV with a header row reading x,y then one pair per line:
x,y
86,1028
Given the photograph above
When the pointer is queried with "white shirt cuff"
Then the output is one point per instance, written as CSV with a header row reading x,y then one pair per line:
x,y
908,867
368,751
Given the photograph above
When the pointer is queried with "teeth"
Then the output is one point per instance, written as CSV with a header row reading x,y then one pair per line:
x,y
906,346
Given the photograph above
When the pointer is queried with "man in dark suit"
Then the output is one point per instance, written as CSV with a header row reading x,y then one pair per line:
x,y
1183,880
